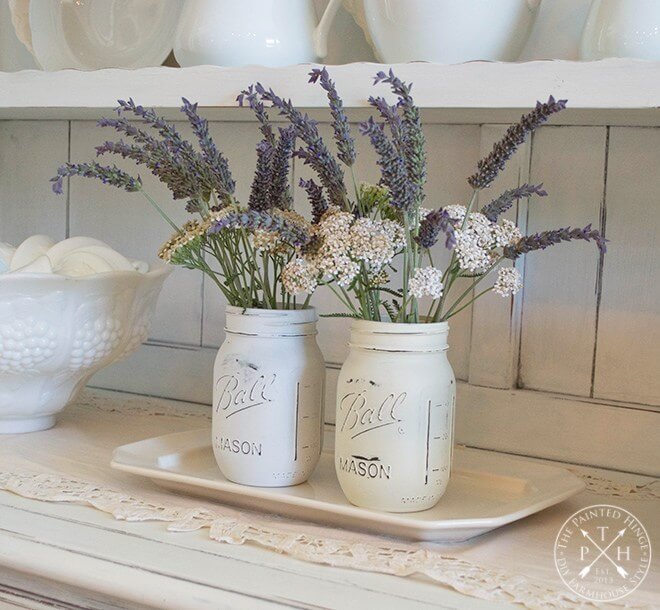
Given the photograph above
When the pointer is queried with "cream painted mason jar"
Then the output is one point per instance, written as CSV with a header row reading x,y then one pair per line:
x,y
268,392
395,416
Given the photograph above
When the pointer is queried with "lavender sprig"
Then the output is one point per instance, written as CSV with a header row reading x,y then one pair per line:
x,y
392,118
316,198
111,175
257,106
215,160
172,160
434,223
394,174
279,194
259,199
316,153
497,207
343,138
541,241
289,232
413,140
182,183
489,167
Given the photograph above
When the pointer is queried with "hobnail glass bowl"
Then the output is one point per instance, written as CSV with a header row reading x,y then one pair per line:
x,y
57,331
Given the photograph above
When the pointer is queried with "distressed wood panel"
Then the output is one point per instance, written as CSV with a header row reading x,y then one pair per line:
x,y
628,350
30,152
496,320
559,309
128,223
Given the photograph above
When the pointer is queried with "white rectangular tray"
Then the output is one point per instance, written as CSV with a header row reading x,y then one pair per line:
x,y
486,490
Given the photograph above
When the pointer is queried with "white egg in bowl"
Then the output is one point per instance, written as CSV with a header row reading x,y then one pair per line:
x,y
66,311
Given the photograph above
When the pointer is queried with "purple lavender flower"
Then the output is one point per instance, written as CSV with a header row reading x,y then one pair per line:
x,y
436,222
288,231
111,175
390,114
489,167
252,98
412,139
215,160
259,199
172,160
394,174
279,194
498,206
345,142
316,153
158,159
316,198
541,241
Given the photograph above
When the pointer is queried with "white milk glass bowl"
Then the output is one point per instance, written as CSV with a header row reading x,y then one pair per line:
x,y
57,331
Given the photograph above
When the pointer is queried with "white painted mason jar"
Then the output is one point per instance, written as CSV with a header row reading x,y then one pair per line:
x,y
395,416
268,392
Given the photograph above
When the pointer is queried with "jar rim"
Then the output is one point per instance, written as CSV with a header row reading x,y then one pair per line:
x,y
299,315
399,328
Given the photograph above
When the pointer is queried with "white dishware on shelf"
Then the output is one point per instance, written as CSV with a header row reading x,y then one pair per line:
x,y
446,31
262,32
66,311
557,31
622,28
93,34
486,491
268,395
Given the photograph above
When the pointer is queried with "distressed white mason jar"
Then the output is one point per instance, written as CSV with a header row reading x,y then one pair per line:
x,y
395,416
269,381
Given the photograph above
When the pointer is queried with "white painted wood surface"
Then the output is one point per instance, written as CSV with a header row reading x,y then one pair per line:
x,y
28,152
561,288
495,320
143,565
628,349
70,556
607,84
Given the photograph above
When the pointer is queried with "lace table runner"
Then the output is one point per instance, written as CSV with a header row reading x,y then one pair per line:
x,y
70,463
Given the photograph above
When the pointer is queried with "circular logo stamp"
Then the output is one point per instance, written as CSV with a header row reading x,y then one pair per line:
x,y
602,553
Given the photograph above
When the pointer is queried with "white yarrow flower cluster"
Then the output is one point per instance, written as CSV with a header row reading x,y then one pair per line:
x,y
426,281
375,242
508,281
506,234
299,276
455,212
344,243
476,241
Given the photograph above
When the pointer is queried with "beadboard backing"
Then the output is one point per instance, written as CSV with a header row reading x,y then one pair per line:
x,y
576,353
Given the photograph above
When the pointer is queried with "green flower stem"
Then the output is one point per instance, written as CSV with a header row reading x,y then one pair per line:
x,y
451,315
160,211
472,286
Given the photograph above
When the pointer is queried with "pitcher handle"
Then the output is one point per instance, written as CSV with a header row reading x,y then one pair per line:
x,y
320,35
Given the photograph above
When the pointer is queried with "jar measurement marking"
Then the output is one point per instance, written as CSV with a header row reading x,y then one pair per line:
x,y
306,424
295,447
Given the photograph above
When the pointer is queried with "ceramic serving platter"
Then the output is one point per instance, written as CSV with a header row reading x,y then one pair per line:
x,y
486,491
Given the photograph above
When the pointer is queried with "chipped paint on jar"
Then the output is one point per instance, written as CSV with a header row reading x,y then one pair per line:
x,y
268,392
395,416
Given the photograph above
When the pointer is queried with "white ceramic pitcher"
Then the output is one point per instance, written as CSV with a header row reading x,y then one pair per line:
x,y
446,31
622,28
263,32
